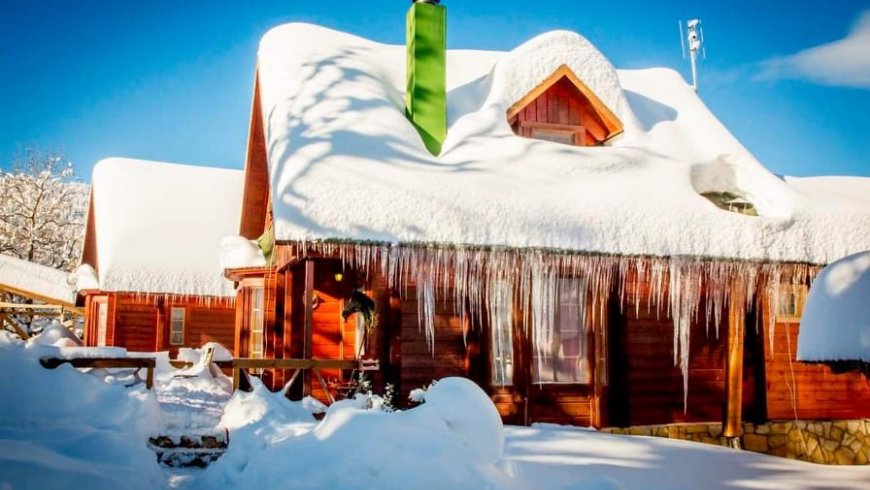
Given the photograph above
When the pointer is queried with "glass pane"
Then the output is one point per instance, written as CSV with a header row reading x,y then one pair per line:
x,y
102,321
566,360
256,321
554,135
502,337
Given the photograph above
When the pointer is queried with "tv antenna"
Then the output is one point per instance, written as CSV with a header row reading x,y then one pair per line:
x,y
693,37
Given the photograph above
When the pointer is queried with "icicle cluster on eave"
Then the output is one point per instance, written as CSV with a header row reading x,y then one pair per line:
x,y
682,285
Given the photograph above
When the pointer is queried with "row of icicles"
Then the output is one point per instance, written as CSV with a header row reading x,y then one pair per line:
x,y
476,279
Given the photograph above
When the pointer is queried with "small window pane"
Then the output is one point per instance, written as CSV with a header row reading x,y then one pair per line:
x,y
176,326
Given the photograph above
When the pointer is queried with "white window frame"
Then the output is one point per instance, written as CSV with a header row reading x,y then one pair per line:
x,y
176,325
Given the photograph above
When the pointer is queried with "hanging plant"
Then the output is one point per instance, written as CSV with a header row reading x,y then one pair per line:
x,y
362,304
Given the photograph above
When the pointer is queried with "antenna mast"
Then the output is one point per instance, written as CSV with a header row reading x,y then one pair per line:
x,y
694,37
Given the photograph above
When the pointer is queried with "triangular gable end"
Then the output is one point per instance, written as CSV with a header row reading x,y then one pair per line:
x,y
256,200
563,109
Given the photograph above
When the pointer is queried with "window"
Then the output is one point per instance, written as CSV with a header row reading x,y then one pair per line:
x,y
102,307
566,360
731,202
564,136
256,321
502,336
790,303
176,326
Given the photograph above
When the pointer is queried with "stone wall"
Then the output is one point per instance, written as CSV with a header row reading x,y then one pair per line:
x,y
827,442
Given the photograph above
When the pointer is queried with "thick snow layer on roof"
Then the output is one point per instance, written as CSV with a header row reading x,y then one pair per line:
x,y
35,278
835,325
159,226
345,163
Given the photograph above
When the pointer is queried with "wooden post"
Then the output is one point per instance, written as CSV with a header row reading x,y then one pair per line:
x,y
732,425
309,320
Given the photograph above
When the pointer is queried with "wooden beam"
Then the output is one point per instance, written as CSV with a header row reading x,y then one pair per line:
x,y
307,336
38,297
261,363
12,323
105,363
732,425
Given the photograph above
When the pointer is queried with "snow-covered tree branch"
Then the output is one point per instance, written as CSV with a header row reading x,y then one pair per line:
x,y
42,209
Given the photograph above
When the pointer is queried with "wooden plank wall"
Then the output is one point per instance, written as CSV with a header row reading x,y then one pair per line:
x,y
809,391
133,323
562,104
649,387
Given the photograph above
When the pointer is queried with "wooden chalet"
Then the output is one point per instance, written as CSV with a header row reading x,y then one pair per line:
x,y
572,330
146,280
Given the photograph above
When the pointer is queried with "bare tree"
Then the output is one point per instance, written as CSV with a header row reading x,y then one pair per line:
x,y
42,209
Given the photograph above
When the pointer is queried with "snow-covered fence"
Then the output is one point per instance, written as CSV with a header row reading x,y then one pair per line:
x,y
136,363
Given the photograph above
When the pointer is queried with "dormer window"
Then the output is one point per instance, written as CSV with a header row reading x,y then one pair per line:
x,y
731,202
562,109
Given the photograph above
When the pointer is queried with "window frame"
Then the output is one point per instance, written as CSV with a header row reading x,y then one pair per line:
x,y
255,291
586,353
172,330
799,292
528,128
101,304
506,378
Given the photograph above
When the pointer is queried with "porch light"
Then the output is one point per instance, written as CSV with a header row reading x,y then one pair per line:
x,y
339,276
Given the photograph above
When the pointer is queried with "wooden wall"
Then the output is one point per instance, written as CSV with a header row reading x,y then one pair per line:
x,y
140,323
806,390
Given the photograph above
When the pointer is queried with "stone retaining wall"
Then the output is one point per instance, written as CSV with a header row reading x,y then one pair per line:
x,y
828,442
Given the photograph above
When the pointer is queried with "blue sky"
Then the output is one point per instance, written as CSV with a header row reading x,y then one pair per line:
x,y
171,80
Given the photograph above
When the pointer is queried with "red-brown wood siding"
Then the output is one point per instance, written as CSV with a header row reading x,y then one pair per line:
x,y
561,104
807,390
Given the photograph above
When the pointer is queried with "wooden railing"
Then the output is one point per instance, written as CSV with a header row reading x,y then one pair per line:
x,y
136,363
300,365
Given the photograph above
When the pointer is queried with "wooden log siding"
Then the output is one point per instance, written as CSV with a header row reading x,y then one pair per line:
x,y
140,323
808,391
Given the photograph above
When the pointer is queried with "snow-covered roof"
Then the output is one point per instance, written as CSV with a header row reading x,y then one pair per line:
x,y
345,163
159,226
835,325
41,280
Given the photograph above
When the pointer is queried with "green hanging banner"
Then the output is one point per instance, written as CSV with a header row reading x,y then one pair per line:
x,y
426,95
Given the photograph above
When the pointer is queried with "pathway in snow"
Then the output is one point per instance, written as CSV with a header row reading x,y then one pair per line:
x,y
191,403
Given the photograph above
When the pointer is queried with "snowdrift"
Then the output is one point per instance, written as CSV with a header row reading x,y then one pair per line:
x,y
64,429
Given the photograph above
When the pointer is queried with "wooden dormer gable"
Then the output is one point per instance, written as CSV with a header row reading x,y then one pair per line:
x,y
563,109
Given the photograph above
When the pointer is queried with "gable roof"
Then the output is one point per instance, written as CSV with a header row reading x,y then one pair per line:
x,y
156,227
346,165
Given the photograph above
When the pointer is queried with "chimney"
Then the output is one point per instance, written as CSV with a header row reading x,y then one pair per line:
x,y
426,95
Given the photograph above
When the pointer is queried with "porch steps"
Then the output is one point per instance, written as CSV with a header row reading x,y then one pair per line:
x,y
184,450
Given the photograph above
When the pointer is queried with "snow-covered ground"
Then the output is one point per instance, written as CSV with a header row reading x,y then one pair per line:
x,y
64,428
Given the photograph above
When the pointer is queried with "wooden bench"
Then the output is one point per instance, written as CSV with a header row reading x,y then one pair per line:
x,y
136,363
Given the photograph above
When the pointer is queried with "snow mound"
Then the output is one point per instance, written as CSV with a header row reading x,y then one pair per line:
x,y
451,441
84,278
191,355
835,325
63,428
238,252
57,335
